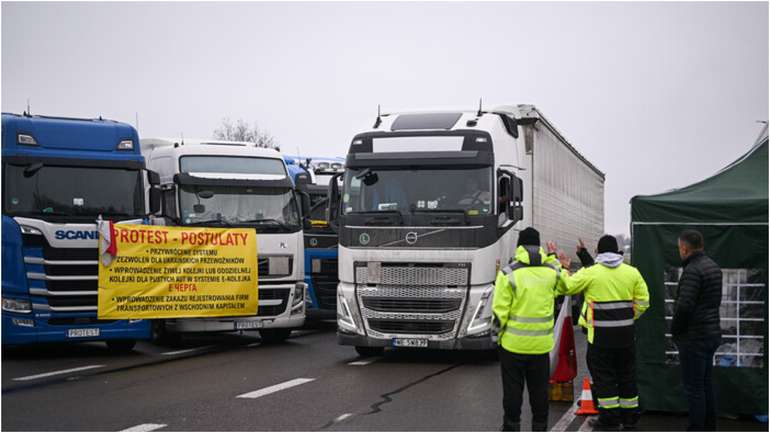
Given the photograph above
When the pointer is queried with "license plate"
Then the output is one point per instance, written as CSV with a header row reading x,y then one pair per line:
x,y
82,332
410,342
250,324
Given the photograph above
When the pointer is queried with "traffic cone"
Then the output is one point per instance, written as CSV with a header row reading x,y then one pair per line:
x,y
586,400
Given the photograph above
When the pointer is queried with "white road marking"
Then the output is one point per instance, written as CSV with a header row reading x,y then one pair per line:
x,y
179,352
565,419
343,417
365,361
54,373
585,426
258,343
145,427
275,388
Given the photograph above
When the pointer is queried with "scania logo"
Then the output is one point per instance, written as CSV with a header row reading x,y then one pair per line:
x,y
411,238
364,239
76,234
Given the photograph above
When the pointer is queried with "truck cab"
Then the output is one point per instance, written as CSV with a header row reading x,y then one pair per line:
x,y
209,183
59,176
429,211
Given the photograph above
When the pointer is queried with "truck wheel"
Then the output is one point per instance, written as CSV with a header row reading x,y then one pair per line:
x,y
366,351
274,335
121,346
161,334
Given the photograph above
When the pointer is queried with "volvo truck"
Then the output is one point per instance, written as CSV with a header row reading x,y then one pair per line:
x,y
429,211
209,183
59,176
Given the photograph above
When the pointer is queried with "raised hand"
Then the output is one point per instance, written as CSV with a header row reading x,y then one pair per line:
x,y
551,247
580,245
565,261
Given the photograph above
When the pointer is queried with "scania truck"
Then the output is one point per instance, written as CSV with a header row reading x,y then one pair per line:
x,y
209,183
59,176
429,212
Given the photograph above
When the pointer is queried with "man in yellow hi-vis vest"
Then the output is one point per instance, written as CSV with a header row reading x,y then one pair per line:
x,y
615,295
523,308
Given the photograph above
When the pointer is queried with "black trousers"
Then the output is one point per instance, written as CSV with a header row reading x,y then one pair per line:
x,y
697,359
613,370
517,370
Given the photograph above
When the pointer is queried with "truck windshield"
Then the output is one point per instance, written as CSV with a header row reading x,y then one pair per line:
x,y
418,190
268,209
35,190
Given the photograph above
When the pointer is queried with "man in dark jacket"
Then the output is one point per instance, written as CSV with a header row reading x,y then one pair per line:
x,y
696,329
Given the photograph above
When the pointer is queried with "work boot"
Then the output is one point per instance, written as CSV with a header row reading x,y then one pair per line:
x,y
509,425
597,425
539,426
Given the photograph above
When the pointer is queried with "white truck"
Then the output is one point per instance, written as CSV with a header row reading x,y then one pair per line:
x,y
209,183
429,211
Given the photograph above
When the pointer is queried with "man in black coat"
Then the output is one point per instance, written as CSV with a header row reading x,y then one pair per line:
x,y
696,328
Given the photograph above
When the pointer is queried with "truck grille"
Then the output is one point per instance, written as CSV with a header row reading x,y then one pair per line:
x,y
412,299
273,310
411,326
263,268
412,305
325,284
66,277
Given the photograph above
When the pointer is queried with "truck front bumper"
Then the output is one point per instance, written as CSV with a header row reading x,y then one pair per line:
x,y
225,324
17,330
481,342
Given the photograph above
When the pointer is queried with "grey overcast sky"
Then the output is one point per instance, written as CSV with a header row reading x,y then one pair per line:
x,y
657,95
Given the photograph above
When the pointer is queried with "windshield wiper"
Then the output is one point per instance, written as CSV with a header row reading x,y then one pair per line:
x,y
274,221
212,221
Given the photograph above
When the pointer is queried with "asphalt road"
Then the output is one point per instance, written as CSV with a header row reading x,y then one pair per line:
x,y
233,382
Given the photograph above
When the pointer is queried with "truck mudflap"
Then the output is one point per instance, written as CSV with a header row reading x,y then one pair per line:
x,y
480,342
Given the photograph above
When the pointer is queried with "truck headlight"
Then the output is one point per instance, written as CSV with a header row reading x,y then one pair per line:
x,y
482,315
298,301
29,230
347,317
17,305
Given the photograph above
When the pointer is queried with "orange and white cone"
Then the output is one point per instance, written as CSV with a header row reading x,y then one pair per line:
x,y
586,400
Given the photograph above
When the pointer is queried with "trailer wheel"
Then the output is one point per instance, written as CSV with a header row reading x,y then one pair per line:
x,y
270,336
366,351
121,346
161,334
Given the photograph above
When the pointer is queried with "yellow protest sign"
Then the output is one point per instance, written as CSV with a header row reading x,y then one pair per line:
x,y
157,272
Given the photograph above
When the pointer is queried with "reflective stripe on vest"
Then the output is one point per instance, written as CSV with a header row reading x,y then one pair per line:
x,y
523,319
528,332
629,403
613,323
642,303
613,305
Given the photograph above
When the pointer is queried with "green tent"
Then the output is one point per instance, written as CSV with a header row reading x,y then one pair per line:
x,y
730,209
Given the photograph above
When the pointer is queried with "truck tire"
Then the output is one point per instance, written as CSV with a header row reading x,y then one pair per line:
x,y
366,351
271,336
161,334
121,346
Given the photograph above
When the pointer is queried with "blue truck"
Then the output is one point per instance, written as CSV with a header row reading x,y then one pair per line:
x,y
320,240
59,176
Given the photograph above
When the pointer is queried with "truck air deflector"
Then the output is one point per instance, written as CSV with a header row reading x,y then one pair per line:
x,y
425,121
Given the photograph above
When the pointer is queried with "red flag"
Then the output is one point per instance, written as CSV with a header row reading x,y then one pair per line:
x,y
566,365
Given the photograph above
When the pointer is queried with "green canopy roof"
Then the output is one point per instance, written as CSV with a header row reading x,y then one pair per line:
x,y
736,194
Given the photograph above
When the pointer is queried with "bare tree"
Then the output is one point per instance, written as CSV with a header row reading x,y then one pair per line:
x,y
241,131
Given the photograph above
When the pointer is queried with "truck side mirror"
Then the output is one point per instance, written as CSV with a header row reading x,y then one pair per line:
x,y
154,199
516,212
333,196
153,177
301,180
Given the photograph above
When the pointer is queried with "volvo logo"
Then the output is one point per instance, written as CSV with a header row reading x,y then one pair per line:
x,y
411,238
364,239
